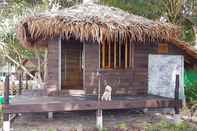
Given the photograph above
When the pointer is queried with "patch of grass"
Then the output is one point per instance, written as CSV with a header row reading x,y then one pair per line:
x,y
122,126
103,129
166,126
52,129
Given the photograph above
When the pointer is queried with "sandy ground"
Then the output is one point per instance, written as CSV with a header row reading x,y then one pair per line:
x,y
65,121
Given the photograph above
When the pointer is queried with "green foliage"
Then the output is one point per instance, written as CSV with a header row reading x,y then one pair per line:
x,y
146,8
190,79
9,18
165,126
191,93
154,9
188,33
122,126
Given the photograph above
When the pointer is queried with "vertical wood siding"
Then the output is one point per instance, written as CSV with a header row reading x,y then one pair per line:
x,y
52,80
132,81
91,67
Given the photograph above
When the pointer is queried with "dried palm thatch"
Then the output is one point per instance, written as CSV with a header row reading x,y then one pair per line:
x,y
93,22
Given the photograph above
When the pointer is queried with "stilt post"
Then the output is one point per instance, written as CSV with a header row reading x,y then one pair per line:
x,y
20,83
177,103
26,82
6,121
50,115
99,114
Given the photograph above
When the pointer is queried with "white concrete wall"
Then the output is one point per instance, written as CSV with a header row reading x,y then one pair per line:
x,y
162,70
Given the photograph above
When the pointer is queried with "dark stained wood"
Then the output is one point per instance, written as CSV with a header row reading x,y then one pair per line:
x,y
6,98
20,84
177,106
71,70
73,103
52,63
130,81
91,67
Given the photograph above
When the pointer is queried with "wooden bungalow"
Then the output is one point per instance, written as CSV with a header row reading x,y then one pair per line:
x,y
91,45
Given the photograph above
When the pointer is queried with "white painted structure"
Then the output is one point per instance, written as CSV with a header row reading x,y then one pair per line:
x,y
162,74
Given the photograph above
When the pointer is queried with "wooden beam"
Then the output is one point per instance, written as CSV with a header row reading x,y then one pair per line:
x,y
90,105
176,94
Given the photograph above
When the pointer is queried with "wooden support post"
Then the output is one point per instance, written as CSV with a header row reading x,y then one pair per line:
x,y
20,84
26,82
177,104
50,115
99,114
6,121
99,118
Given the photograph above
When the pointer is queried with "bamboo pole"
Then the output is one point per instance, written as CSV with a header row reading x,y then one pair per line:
x,y
130,55
133,56
103,55
109,56
115,53
126,55
119,46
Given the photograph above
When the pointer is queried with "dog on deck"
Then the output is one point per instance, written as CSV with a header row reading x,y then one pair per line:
x,y
107,94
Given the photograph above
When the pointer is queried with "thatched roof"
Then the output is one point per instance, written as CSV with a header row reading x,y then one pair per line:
x,y
93,22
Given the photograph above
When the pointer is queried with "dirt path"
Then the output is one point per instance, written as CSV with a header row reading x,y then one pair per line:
x,y
63,121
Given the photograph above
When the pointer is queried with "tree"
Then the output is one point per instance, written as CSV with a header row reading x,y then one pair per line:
x,y
178,12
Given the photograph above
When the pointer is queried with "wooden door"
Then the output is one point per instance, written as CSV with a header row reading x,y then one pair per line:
x,y
72,73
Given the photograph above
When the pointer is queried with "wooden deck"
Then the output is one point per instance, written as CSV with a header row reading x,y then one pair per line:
x,y
25,103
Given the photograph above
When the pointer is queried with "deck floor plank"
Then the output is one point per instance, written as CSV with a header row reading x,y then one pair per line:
x,y
30,103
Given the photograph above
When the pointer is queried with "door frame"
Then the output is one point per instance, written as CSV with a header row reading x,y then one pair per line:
x,y
82,61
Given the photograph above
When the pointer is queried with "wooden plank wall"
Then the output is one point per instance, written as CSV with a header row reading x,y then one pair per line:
x,y
124,81
91,66
52,80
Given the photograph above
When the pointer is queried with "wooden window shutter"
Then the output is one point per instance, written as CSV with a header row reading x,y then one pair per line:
x,y
163,48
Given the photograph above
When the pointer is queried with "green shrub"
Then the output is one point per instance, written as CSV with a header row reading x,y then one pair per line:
x,y
165,126
190,80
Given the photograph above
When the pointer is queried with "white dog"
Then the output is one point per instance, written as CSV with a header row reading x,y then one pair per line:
x,y
107,94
